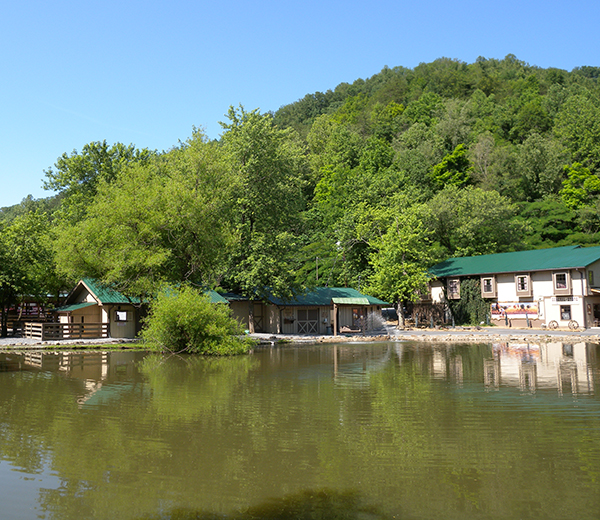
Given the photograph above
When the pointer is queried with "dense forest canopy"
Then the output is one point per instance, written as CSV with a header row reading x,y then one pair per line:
x,y
365,185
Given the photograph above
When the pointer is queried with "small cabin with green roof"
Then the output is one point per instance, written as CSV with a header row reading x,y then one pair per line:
x,y
104,311
557,287
320,311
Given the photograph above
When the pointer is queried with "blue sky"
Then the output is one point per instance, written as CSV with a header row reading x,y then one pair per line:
x,y
148,72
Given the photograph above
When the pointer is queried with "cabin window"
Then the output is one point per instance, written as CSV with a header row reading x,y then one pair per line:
x,y
523,284
121,316
488,287
565,312
454,289
562,283
591,278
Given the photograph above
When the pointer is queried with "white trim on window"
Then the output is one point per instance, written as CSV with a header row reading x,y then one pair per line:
x,y
523,284
489,288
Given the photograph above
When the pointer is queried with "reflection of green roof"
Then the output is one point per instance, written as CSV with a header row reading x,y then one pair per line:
x,y
74,307
105,394
324,296
568,257
105,294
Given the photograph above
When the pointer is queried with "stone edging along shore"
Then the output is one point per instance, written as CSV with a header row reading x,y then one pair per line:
x,y
421,335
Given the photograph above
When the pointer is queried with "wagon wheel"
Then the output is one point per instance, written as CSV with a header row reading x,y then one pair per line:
x,y
573,325
553,325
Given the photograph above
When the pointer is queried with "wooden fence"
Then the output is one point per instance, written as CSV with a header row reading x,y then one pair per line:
x,y
59,331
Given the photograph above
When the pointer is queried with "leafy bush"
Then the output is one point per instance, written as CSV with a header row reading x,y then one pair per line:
x,y
471,309
184,320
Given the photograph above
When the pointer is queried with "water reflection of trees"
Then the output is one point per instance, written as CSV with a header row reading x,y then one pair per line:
x,y
408,427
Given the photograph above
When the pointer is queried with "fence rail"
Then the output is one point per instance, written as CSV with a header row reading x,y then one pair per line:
x,y
58,331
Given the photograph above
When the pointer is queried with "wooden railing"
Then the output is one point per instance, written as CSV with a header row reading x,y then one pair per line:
x,y
58,331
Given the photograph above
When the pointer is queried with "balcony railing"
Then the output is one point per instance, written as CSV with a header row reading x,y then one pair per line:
x,y
59,331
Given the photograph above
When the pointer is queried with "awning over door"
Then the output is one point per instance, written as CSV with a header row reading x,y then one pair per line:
x,y
74,307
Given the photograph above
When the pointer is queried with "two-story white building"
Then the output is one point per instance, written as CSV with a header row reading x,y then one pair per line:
x,y
558,287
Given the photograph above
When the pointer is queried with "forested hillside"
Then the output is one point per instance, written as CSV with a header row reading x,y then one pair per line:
x,y
365,185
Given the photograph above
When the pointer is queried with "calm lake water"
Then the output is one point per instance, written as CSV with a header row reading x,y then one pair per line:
x,y
365,431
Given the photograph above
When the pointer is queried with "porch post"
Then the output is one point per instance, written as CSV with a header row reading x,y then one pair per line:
x,y
251,316
335,325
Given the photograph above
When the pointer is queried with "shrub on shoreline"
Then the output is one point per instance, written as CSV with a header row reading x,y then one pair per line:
x,y
184,320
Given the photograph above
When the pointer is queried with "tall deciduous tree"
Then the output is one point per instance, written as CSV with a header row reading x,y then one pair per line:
x,y
454,170
77,176
268,168
400,252
167,220
471,221
578,125
581,187
26,263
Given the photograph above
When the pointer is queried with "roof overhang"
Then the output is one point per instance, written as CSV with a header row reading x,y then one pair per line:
x,y
74,307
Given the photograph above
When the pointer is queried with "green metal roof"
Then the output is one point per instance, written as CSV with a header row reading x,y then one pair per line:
x,y
568,257
323,296
104,294
74,307
232,297
215,297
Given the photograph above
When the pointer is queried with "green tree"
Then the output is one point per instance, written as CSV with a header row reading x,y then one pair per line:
x,y
77,176
184,320
581,187
549,222
26,263
471,221
454,170
268,169
163,221
424,109
578,125
530,118
400,252
385,120
539,163
471,308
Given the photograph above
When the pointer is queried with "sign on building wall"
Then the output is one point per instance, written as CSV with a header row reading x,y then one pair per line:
x,y
514,310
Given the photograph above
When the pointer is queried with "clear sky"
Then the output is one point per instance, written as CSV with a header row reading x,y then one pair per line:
x,y
146,72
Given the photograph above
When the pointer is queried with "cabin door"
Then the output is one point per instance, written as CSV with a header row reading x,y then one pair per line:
x,y
308,321
259,325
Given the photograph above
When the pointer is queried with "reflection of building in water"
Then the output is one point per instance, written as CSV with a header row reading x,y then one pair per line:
x,y
447,366
491,372
82,365
528,375
527,366
548,365
456,369
95,370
